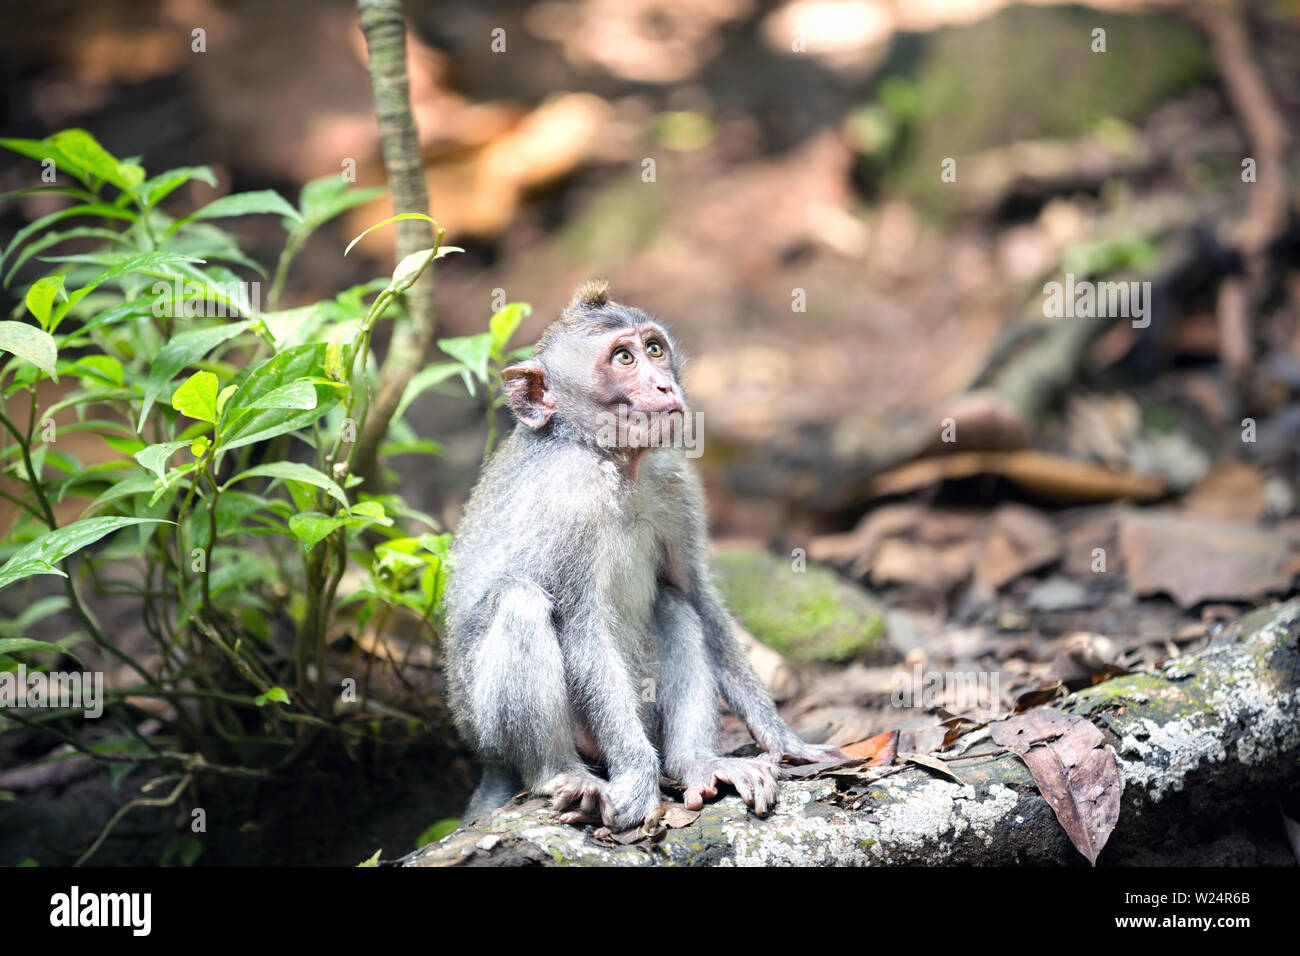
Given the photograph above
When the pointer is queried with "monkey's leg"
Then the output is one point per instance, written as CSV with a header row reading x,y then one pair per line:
x,y
518,700
498,785
688,703
742,688
603,686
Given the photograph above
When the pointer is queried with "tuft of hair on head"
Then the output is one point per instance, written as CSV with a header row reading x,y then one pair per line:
x,y
592,294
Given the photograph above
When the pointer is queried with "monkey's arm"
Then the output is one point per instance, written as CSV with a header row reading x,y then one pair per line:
x,y
607,698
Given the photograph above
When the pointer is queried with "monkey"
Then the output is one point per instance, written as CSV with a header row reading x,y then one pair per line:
x,y
582,624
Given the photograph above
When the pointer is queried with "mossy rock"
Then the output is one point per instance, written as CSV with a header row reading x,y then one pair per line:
x,y
807,615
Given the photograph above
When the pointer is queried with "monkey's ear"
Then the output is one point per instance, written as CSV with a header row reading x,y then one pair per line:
x,y
528,394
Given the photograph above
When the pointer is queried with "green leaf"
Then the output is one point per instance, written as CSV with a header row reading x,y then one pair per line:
x,y
127,446
155,457
120,264
293,471
42,295
438,544
54,546
15,645
437,832
54,238
323,199
391,219
242,424
102,368
422,381
183,350
38,611
296,394
414,446
339,341
136,307
505,323
167,484
56,190
311,527
224,396
84,151
152,191
277,694
32,344
244,204
473,351
233,507
78,153
412,267
134,484
372,861
81,209
197,397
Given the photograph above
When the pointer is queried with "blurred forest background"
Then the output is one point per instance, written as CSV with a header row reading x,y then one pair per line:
x,y
882,389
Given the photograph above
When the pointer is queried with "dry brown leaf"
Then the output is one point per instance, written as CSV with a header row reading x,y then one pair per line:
x,y
677,816
877,751
931,762
1074,769
1194,560
922,566
1019,540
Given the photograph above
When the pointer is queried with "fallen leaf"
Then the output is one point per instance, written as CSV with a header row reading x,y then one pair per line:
x,y
677,816
1074,769
1038,696
1193,559
877,751
932,763
1019,540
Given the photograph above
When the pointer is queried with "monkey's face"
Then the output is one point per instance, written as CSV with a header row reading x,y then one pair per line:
x,y
617,385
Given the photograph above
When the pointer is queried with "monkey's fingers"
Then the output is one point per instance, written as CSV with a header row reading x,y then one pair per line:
x,y
578,817
697,793
758,789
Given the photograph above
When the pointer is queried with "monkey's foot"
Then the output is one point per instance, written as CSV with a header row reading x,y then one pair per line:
x,y
632,798
578,789
797,751
753,777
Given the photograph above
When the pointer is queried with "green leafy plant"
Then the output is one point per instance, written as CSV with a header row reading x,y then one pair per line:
x,y
225,502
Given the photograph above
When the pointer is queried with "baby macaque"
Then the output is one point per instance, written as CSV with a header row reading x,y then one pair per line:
x,y
583,625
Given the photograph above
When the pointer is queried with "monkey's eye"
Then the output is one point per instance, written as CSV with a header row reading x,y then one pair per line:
x,y
654,350
623,357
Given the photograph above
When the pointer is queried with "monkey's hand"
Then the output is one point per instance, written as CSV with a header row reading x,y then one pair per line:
x,y
797,751
753,777
577,796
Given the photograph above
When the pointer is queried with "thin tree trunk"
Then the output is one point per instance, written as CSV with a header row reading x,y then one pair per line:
x,y
384,25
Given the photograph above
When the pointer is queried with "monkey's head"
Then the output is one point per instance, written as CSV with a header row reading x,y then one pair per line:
x,y
599,362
